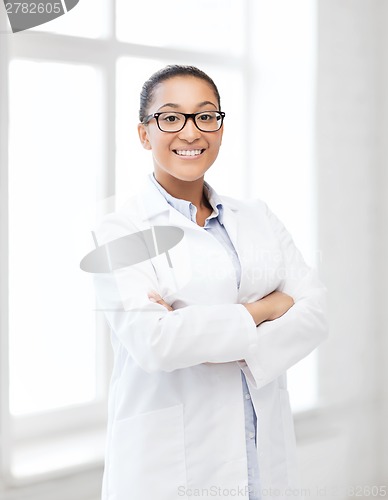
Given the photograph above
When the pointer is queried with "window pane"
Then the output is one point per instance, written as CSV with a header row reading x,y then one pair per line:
x,y
55,154
285,53
207,25
87,19
303,383
285,123
133,162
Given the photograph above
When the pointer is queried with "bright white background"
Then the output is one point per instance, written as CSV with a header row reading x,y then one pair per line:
x,y
302,83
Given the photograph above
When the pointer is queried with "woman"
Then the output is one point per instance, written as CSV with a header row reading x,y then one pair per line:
x,y
203,333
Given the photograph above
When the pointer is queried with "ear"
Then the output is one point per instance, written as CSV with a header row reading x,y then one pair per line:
x,y
143,136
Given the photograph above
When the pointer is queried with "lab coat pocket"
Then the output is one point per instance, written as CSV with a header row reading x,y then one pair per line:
x,y
147,456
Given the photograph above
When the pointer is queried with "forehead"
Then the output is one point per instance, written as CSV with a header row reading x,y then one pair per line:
x,y
184,91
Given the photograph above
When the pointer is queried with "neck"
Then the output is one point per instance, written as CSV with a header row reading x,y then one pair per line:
x,y
192,191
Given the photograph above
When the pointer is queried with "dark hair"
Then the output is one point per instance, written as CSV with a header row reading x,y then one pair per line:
x,y
166,73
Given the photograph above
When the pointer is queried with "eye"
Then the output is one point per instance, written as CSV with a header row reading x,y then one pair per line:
x,y
207,117
170,117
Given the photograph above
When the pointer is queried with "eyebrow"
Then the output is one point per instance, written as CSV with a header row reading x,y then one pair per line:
x,y
177,106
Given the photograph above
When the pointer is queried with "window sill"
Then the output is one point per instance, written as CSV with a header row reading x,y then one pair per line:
x,y
327,421
46,458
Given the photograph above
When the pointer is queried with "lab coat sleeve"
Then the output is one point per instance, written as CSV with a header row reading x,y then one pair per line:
x,y
158,339
286,340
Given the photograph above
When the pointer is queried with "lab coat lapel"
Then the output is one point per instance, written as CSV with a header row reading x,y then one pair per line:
x,y
156,211
178,219
240,238
230,223
233,228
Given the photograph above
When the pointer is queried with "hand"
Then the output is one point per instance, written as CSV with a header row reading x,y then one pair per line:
x,y
155,297
278,304
270,307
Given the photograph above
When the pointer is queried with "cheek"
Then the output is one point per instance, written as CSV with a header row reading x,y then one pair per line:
x,y
215,145
159,143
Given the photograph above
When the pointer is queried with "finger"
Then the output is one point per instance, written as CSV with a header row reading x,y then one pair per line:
x,y
167,306
155,297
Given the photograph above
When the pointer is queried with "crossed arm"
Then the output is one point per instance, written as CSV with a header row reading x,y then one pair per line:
x,y
160,338
268,308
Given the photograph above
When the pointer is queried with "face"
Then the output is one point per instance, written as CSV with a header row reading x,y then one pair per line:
x,y
185,94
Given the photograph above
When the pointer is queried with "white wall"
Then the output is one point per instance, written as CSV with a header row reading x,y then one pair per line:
x,y
344,447
382,290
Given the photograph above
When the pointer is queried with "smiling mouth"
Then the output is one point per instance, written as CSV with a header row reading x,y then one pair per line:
x,y
191,152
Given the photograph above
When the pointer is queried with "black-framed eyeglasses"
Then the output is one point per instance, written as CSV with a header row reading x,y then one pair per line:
x,y
171,121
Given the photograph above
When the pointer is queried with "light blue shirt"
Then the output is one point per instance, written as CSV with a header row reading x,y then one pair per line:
x,y
214,225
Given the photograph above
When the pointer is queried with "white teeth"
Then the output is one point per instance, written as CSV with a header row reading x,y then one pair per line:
x,y
193,152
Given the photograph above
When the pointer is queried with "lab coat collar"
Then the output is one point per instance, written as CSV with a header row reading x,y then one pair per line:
x,y
154,208
185,206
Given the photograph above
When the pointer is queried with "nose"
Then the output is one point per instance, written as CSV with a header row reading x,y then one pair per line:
x,y
190,132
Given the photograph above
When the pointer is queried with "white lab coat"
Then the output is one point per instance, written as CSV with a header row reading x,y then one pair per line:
x,y
176,411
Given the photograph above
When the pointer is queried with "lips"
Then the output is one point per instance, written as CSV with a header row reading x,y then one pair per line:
x,y
188,152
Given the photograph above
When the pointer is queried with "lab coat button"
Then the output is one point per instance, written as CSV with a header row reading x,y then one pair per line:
x,y
247,396
251,435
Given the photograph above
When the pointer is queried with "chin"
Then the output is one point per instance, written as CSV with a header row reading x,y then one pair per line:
x,y
187,172
188,177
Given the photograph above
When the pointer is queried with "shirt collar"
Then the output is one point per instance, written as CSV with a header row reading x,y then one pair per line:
x,y
186,208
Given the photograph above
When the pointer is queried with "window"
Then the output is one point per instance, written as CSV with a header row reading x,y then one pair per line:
x,y
71,92
52,185
210,22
